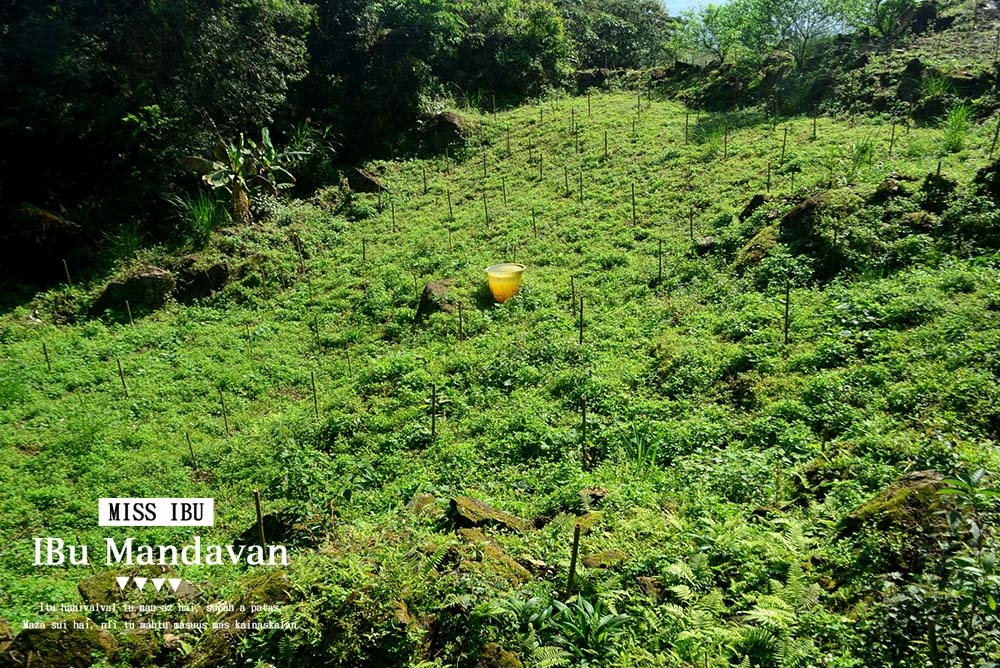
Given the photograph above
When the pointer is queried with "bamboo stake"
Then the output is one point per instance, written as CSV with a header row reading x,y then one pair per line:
x,y
433,411
312,375
121,374
194,460
128,308
225,413
69,281
572,560
45,351
260,518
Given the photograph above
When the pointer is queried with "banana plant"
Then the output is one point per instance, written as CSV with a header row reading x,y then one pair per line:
x,y
245,167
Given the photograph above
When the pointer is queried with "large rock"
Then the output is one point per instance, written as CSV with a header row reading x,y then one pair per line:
x,y
471,513
434,298
445,128
495,656
494,559
363,181
801,220
910,503
198,278
755,203
144,288
68,647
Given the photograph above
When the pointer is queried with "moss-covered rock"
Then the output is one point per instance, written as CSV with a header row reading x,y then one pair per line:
x,y
495,656
755,250
79,644
469,513
605,559
909,503
492,558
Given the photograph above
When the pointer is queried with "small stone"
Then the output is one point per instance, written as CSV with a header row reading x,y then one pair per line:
x,y
469,512
606,559
592,496
423,505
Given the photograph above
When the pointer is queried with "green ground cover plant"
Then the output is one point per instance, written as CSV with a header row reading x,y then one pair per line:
x,y
757,383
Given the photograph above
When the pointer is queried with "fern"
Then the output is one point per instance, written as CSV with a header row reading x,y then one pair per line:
x,y
549,657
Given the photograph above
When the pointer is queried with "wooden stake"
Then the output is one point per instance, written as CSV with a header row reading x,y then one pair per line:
x,y
484,163
581,185
659,254
814,126
939,168
45,351
424,169
725,144
392,208
380,200
534,224
129,310
892,137
584,454
566,177
260,518
691,224
788,295
539,165
572,294
451,212
635,219
503,185
69,281
312,375
588,102
508,140
194,460
461,332
225,413
433,411
687,123
572,560
364,252
633,130
486,212
581,320
121,374
768,187
784,143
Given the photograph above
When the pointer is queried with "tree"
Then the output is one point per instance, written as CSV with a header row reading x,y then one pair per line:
x,y
618,34
886,18
713,29
796,25
128,86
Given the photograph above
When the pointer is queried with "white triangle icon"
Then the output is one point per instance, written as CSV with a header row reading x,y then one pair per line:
x,y
158,583
140,583
122,580
174,583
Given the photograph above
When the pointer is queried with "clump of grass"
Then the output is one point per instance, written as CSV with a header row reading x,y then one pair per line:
x,y
936,85
956,127
199,215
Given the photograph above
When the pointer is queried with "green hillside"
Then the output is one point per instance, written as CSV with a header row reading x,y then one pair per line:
x,y
749,489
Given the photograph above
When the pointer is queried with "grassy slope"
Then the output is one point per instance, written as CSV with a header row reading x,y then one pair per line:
x,y
697,359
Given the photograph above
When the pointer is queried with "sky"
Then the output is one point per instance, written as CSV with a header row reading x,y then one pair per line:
x,y
675,7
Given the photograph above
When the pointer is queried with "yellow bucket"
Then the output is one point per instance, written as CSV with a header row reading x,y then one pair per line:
x,y
504,280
